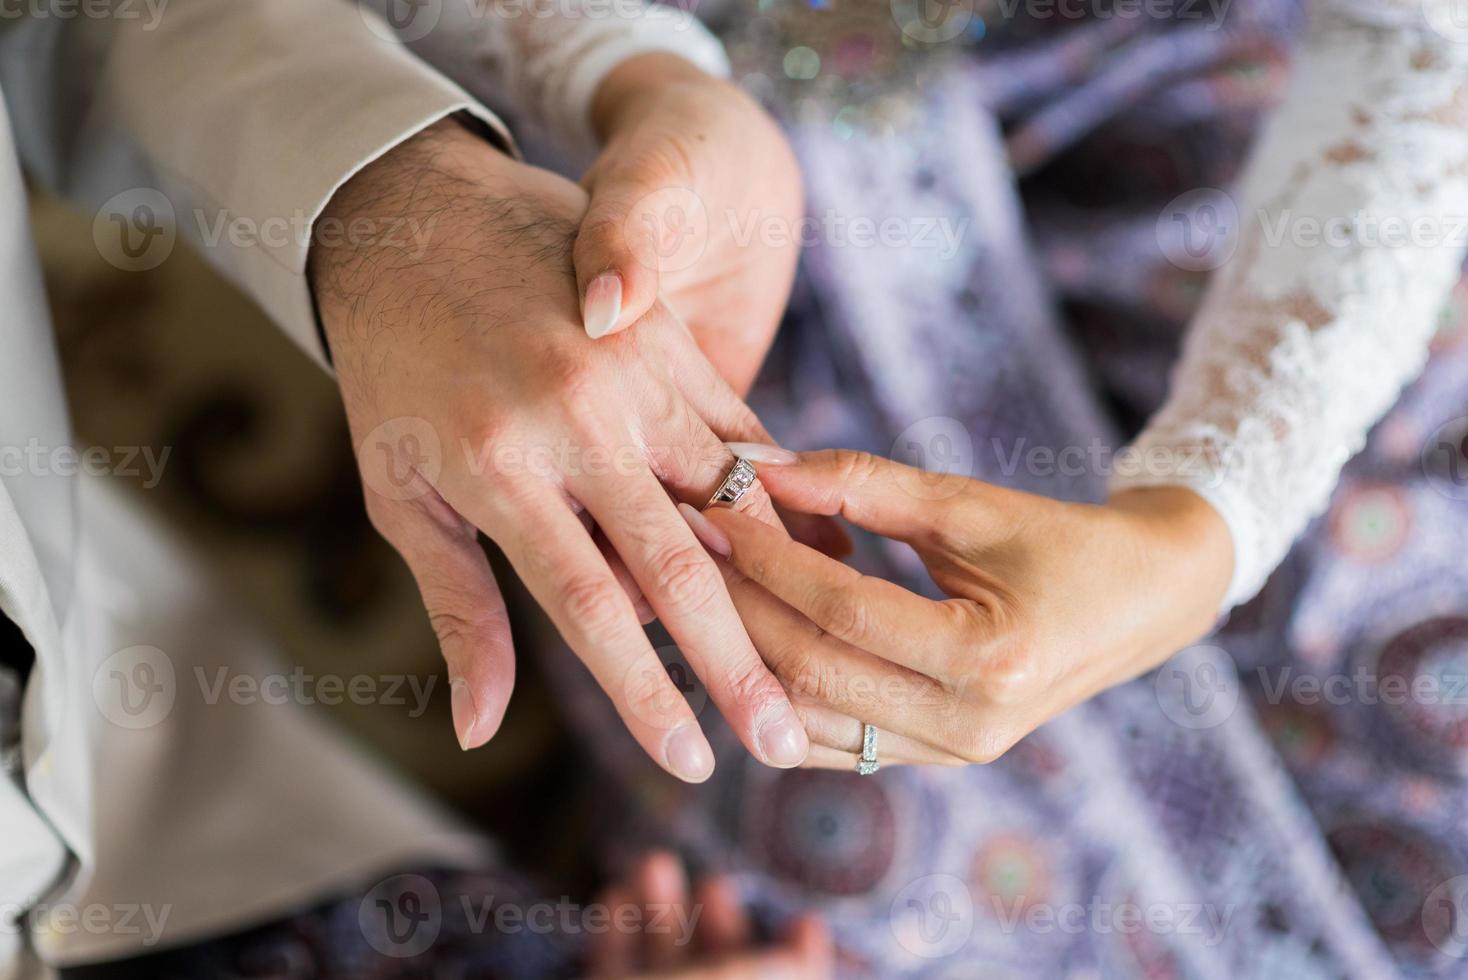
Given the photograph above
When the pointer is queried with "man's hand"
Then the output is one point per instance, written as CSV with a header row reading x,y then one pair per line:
x,y
478,403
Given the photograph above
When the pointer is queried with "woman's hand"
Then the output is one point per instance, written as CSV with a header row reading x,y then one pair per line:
x,y
1049,603
720,946
695,199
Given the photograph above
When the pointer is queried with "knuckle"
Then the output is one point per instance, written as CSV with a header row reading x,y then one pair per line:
x,y
1009,670
800,670
854,466
843,615
685,576
603,231
454,629
572,379
593,603
651,697
750,685
1011,681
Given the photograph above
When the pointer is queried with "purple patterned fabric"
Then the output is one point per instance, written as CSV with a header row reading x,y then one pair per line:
x,y
1215,818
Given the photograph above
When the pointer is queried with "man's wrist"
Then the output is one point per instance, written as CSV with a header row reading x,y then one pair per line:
x,y
402,189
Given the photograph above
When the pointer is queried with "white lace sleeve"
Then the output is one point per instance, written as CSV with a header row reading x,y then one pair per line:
x,y
1351,226
540,61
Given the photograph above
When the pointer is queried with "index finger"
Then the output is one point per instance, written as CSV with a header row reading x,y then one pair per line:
x,y
869,613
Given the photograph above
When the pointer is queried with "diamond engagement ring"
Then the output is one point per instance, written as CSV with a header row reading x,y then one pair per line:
x,y
736,484
868,763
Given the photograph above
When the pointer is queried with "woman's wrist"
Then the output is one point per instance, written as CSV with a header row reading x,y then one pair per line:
x,y
1189,541
640,82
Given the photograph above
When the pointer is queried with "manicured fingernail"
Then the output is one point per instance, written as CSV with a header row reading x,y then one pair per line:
x,y
465,717
713,539
688,753
758,452
603,305
783,740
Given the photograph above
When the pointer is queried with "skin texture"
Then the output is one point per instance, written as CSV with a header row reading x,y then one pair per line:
x,y
721,947
1049,603
478,404
679,144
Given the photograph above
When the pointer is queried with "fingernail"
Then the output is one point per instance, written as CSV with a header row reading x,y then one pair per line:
x,y
688,753
713,539
462,703
758,452
603,305
783,740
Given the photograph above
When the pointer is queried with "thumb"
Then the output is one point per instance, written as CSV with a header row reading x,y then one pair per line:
x,y
616,256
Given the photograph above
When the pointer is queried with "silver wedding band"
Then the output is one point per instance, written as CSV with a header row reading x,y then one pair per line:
x,y
736,484
868,763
